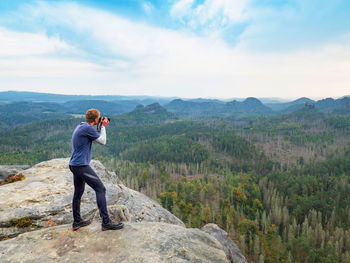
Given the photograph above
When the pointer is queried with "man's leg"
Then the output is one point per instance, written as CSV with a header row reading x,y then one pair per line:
x,y
79,187
95,183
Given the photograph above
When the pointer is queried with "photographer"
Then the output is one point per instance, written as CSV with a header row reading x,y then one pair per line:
x,y
82,138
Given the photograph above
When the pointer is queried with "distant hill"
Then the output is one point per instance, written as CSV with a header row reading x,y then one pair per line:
x,y
206,100
194,108
152,113
199,108
308,112
33,107
105,107
249,105
12,96
339,106
328,105
267,101
343,106
215,108
287,107
26,112
15,96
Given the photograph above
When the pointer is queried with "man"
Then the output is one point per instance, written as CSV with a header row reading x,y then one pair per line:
x,y
82,138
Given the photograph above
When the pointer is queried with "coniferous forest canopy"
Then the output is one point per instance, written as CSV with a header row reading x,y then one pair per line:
x,y
277,179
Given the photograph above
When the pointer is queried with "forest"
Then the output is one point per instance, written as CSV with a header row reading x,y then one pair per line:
x,y
279,185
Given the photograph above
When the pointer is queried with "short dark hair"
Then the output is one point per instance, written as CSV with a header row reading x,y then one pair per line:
x,y
91,115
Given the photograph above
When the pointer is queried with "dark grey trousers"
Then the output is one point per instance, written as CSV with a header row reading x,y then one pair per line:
x,y
85,174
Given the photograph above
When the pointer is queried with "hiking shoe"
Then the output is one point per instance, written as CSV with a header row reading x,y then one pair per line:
x,y
76,226
112,226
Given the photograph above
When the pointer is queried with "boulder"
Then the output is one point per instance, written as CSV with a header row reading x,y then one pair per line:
x,y
232,252
8,170
46,196
147,242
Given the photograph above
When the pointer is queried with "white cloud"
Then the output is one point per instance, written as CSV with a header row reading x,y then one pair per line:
x,y
153,61
227,10
181,9
41,67
101,29
23,44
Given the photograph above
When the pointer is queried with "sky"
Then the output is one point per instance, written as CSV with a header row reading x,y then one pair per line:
x,y
183,48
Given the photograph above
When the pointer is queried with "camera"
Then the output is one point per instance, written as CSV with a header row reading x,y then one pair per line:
x,y
102,118
99,125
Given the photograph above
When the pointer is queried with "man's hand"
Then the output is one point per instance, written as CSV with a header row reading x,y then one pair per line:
x,y
105,122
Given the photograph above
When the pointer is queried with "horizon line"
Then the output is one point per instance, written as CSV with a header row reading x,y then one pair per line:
x,y
287,99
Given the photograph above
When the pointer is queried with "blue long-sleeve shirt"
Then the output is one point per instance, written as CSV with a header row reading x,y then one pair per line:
x,y
82,138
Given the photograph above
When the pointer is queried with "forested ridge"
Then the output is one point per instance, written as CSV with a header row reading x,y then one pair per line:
x,y
278,185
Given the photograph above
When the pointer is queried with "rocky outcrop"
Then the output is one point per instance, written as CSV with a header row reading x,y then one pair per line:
x,y
231,250
42,202
46,195
147,242
8,170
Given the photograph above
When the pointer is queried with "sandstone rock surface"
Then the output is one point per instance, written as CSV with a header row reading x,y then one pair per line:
x,y
232,251
152,234
147,242
47,191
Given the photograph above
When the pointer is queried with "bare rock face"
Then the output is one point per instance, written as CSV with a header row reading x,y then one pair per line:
x,y
45,197
39,209
147,242
116,213
233,253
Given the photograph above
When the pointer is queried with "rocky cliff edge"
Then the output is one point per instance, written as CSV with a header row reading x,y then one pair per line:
x,y
36,216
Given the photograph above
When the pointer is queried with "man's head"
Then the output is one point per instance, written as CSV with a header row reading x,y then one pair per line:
x,y
91,116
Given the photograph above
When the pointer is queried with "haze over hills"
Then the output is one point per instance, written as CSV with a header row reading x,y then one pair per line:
x,y
12,96
25,107
286,105
107,107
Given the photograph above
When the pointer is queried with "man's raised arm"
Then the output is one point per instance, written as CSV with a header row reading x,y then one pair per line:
x,y
103,138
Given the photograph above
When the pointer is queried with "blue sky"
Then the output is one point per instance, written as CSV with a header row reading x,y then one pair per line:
x,y
185,48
